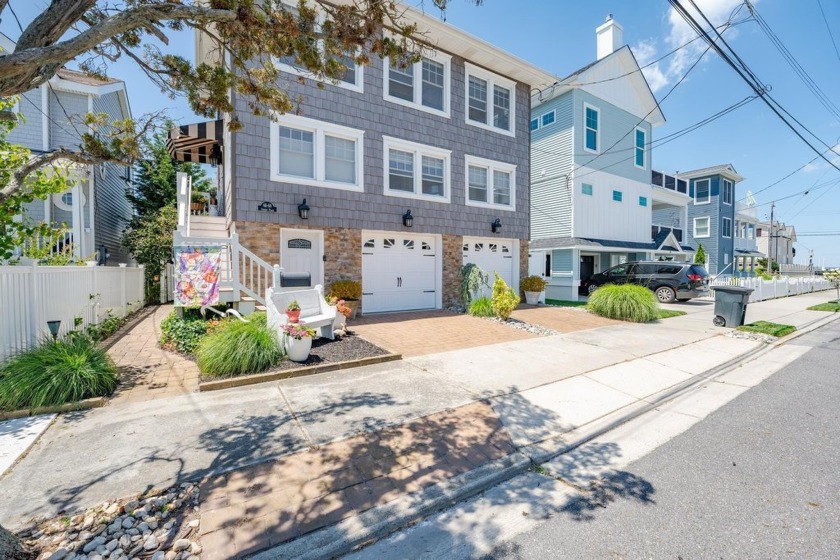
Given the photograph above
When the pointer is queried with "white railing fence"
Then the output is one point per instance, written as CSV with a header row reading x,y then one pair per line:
x,y
770,289
77,296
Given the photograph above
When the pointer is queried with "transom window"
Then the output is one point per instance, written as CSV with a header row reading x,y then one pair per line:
x,y
639,150
728,191
701,227
586,189
311,152
423,85
617,196
591,128
491,100
490,183
702,191
416,171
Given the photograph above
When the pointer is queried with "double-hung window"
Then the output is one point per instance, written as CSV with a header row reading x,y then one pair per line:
x,y
728,191
701,227
311,152
702,192
726,227
415,170
352,78
591,128
490,183
423,85
640,147
491,100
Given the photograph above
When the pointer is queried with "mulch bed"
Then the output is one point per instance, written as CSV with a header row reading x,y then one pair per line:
x,y
325,351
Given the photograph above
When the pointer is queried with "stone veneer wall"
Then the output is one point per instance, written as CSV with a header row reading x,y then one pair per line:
x,y
453,258
342,247
523,258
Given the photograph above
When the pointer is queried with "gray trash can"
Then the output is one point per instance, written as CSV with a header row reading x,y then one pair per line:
x,y
731,305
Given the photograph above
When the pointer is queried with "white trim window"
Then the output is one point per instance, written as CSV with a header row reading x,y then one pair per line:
x,y
535,124
726,227
353,78
591,128
415,170
548,118
490,184
640,148
701,227
311,152
490,101
728,191
423,85
702,191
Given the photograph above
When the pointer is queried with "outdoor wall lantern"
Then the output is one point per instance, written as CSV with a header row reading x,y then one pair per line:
x,y
303,210
408,219
54,326
496,226
266,205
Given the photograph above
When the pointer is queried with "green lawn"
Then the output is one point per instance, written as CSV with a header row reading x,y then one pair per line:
x,y
668,313
765,327
832,306
564,303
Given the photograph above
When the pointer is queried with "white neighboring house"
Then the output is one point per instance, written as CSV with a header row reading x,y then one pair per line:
x,y
95,209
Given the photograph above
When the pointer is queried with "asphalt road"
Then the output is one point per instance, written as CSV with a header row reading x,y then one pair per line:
x,y
758,478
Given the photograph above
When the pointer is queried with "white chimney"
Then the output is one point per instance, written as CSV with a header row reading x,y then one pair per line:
x,y
610,37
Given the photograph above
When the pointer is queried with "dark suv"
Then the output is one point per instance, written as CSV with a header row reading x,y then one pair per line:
x,y
669,280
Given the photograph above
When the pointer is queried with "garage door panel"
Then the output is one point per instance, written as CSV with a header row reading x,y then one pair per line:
x,y
492,256
399,272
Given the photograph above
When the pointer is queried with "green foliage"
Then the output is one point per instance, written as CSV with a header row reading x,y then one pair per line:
x,y
533,284
472,279
766,327
49,247
239,348
833,276
565,303
504,299
106,327
155,173
56,372
668,313
481,307
700,255
149,238
626,302
831,306
184,334
346,289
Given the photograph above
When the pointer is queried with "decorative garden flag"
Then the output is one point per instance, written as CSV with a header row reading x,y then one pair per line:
x,y
197,275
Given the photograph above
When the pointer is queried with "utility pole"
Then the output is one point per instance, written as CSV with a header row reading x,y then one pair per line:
x,y
772,237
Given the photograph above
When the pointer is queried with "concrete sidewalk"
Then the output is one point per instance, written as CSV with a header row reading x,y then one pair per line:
x,y
512,394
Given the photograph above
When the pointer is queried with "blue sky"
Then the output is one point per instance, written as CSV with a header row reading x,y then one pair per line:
x,y
559,36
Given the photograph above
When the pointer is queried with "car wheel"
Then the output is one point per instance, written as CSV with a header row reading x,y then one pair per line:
x,y
665,294
719,321
591,288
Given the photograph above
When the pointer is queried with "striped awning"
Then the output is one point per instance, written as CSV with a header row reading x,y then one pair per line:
x,y
197,143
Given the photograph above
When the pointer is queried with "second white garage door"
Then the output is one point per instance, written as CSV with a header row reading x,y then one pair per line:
x,y
492,255
399,272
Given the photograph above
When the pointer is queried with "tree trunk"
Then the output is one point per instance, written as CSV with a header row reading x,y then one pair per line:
x,y
10,547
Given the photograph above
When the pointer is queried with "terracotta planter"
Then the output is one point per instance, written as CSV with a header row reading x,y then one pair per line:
x,y
293,316
298,350
353,304
197,206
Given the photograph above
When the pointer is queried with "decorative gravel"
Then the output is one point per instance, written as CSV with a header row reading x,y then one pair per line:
x,y
746,335
523,326
325,351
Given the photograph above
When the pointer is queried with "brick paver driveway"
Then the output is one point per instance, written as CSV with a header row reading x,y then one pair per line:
x,y
561,319
418,333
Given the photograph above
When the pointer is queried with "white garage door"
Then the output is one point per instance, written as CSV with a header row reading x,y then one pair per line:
x,y
399,272
492,255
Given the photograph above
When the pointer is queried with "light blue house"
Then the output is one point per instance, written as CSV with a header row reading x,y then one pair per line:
x,y
592,196
713,222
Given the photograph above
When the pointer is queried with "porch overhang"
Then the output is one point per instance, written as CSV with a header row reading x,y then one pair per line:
x,y
198,142
747,253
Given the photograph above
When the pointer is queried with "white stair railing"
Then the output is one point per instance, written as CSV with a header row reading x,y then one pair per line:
x,y
254,275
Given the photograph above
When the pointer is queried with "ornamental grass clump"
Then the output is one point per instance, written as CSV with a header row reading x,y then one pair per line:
x,y
57,372
481,307
627,302
238,348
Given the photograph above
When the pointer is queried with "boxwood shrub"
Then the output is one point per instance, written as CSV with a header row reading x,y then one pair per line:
x,y
626,302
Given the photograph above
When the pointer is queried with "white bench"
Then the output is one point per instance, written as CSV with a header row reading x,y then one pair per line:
x,y
315,312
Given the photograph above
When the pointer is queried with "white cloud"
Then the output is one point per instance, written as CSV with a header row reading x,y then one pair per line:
x,y
645,52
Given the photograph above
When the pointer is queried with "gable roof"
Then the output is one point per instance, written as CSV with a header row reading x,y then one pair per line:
x,y
726,169
600,79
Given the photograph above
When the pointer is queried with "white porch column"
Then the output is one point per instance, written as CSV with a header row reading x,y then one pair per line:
x,y
78,221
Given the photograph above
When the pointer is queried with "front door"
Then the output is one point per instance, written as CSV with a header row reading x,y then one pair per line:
x,y
302,250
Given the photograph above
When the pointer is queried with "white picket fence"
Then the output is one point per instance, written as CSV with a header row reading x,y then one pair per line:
x,y
769,289
78,296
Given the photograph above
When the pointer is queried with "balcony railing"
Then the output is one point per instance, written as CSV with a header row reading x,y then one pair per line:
x,y
656,230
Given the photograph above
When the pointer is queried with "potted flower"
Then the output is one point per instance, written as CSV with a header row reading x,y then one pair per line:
x,y
342,313
533,287
214,203
293,311
198,202
298,341
348,290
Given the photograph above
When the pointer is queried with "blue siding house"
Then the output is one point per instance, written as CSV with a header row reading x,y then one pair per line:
x,y
592,196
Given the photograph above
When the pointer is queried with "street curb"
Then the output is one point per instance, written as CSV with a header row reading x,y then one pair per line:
x,y
380,522
276,375
375,523
86,404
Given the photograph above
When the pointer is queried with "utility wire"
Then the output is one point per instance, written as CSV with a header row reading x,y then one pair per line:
x,y
828,27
